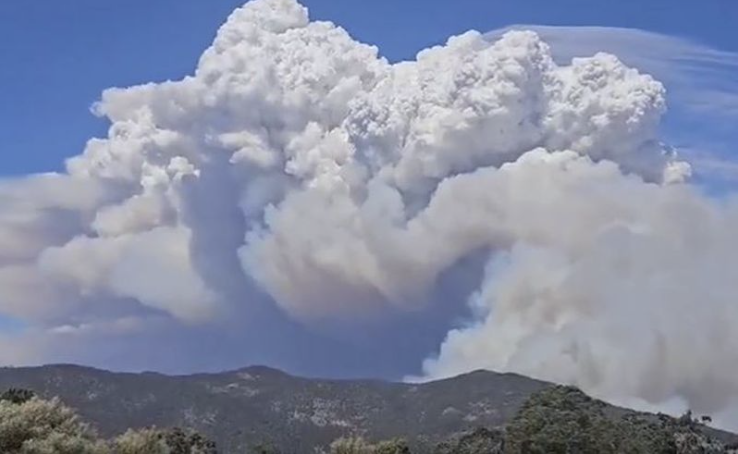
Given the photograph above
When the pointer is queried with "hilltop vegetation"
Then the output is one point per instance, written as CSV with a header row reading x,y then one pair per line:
x,y
556,420
29,425
563,420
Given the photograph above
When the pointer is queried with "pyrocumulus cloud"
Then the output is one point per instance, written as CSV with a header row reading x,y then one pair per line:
x,y
297,165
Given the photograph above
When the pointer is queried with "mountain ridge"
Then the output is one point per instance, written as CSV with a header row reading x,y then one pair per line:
x,y
260,404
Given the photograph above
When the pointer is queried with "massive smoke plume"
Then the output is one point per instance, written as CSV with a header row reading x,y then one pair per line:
x,y
301,199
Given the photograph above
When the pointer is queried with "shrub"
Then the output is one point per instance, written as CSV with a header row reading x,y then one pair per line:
x,y
479,441
45,427
17,395
357,445
144,441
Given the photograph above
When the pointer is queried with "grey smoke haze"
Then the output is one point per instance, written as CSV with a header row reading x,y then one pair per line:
x,y
299,201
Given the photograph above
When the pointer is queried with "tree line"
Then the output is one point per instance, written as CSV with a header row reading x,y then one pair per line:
x,y
558,420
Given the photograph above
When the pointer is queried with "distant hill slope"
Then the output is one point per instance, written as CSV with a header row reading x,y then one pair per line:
x,y
261,405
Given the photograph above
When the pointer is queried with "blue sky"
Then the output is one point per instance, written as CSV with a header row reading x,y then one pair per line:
x,y
57,56
100,273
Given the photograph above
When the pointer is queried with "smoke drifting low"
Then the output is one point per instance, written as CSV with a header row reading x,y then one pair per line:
x,y
299,191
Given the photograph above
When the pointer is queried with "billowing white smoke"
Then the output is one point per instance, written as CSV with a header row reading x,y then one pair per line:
x,y
344,187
